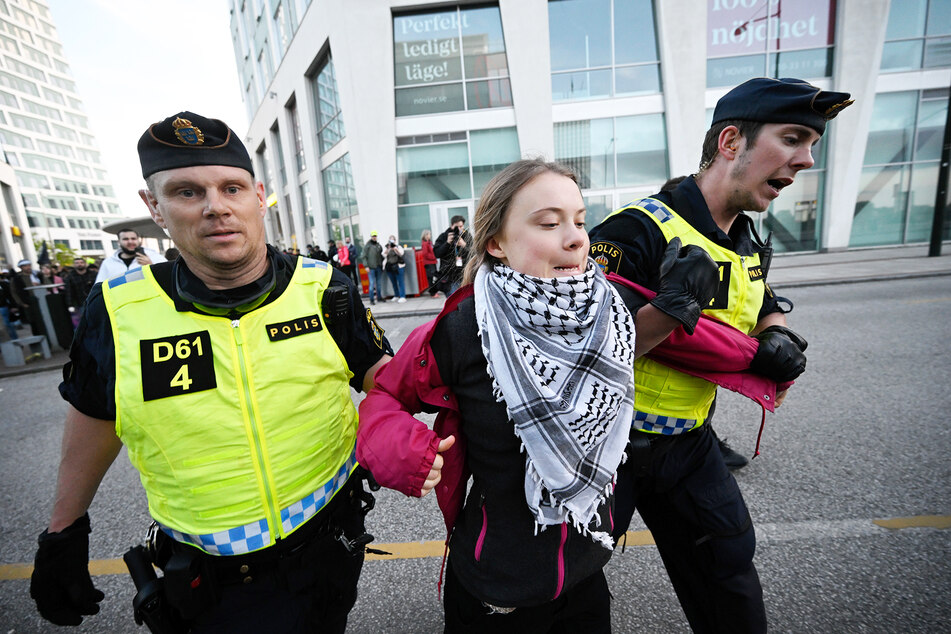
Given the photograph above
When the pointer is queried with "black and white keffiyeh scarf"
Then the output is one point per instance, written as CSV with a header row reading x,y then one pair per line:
x,y
561,356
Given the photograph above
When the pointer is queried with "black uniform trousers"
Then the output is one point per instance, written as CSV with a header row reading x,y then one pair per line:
x,y
703,531
585,608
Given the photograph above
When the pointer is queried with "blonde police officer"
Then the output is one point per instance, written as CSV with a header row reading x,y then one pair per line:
x,y
761,136
227,376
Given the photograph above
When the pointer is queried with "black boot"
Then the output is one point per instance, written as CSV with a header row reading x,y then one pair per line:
x,y
732,459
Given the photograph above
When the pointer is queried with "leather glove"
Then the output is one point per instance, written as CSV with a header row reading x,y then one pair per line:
x,y
780,354
688,281
60,585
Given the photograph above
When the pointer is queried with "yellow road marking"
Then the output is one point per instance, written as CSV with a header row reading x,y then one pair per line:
x,y
421,550
920,521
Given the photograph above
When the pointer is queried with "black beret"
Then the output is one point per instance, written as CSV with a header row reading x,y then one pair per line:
x,y
781,101
188,139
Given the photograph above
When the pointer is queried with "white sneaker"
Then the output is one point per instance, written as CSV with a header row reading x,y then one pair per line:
x,y
401,300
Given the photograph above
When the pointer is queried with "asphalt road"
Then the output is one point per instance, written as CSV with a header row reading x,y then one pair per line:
x,y
863,437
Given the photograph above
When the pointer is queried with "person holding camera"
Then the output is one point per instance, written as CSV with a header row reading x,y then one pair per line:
x,y
393,257
452,249
130,256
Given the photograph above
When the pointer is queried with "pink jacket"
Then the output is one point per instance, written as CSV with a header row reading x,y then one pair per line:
x,y
399,450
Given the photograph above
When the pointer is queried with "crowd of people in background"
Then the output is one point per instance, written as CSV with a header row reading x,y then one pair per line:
x,y
442,260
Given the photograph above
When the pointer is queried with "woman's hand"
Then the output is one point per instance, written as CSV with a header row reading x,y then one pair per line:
x,y
435,473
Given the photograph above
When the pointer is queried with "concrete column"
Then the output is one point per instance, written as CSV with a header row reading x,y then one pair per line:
x,y
860,36
368,101
681,29
525,24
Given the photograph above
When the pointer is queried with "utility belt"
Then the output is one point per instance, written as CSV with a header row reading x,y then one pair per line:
x,y
645,448
193,579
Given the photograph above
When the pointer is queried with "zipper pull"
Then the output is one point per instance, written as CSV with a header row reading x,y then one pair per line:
x,y
234,323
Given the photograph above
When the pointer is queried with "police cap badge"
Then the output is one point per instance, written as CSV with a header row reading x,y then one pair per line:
x,y
187,139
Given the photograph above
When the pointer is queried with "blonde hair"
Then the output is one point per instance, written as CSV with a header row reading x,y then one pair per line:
x,y
426,235
494,203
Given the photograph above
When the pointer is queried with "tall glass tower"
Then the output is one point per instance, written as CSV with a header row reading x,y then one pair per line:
x,y
45,135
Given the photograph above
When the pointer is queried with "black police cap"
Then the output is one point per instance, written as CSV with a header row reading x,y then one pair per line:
x,y
188,139
781,101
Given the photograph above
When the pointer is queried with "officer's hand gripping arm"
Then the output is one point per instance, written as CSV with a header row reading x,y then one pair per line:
x,y
688,282
780,354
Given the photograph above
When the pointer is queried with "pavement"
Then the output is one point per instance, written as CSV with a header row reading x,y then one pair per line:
x,y
788,270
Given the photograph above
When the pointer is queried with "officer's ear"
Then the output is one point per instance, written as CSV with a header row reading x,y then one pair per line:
x,y
150,201
728,142
262,199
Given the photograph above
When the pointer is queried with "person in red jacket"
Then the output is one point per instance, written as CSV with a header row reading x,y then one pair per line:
x,y
429,260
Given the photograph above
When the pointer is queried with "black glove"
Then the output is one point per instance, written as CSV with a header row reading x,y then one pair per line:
x,y
688,282
60,584
780,354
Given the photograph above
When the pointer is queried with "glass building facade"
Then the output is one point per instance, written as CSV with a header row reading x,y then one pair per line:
x,y
395,119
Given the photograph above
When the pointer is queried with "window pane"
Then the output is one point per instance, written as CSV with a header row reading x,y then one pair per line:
x,y
412,221
588,148
641,150
901,55
931,118
637,80
482,43
937,52
879,212
793,216
816,62
491,150
731,71
627,47
924,187
579,33
939,17
906,19
426,48
492,93
598,208
891,129
331,134
435,172
339,193
581,85
429,99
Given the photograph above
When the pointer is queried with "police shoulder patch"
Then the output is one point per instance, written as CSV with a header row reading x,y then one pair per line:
x,y
375,329
607,256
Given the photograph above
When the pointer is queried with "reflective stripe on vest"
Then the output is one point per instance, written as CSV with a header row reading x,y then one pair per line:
x,y
668,401
232,425
255,535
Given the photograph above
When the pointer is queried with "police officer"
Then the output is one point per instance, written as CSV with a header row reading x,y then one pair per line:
x,y
227,376
761,137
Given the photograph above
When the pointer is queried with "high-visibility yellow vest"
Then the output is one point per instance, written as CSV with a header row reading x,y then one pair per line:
x,y
667,398
232,424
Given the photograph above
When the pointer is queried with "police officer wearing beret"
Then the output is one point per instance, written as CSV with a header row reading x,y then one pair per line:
x,y
226,374
761,137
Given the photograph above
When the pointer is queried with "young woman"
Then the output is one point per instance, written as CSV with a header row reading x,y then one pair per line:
x,y
48,276
429,260
394,265
530,365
